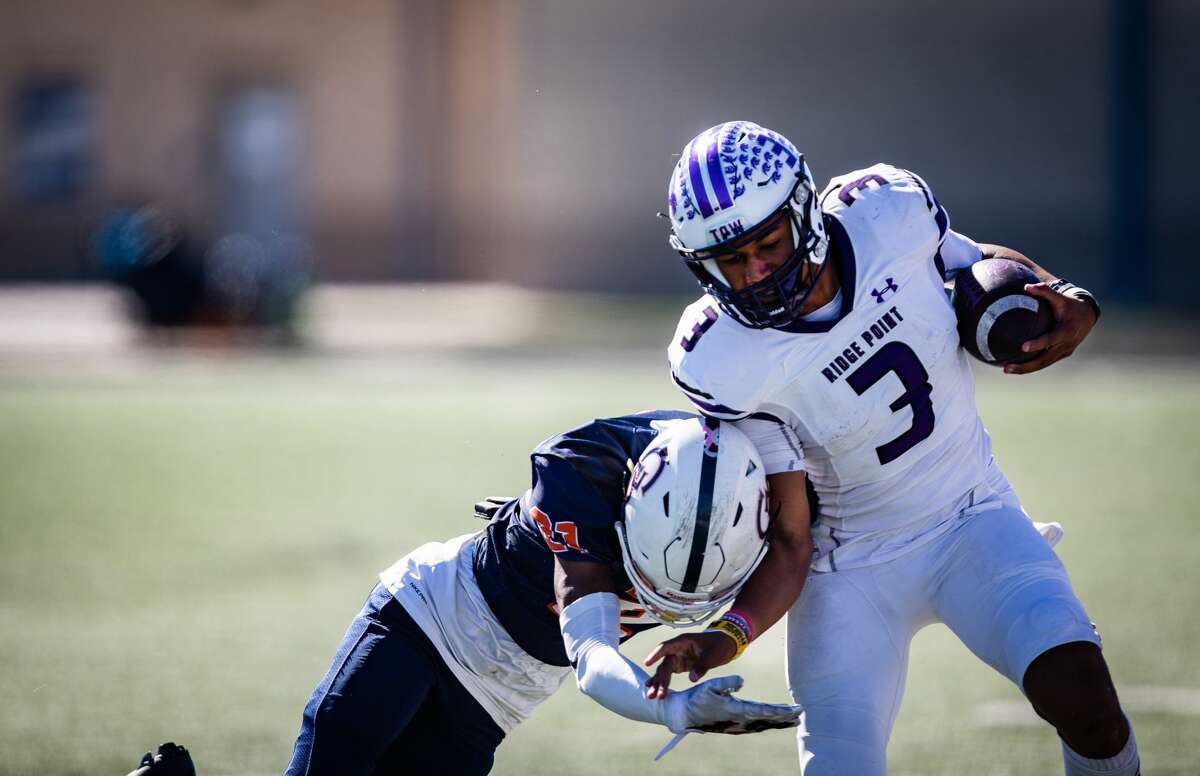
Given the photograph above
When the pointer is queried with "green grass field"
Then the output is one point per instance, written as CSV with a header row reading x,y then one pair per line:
x,y
182,546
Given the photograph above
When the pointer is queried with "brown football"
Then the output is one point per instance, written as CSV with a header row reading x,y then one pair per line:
x,y
995,314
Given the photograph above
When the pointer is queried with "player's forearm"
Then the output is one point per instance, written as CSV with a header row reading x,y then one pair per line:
x,y
591,635
612,680
777,581
1001,252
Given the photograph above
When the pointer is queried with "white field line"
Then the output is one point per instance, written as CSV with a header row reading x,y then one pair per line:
x,y
94,320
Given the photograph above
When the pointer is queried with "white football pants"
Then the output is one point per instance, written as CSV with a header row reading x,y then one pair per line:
x,y
992,579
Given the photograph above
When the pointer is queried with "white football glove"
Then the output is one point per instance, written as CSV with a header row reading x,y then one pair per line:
x,y
709,707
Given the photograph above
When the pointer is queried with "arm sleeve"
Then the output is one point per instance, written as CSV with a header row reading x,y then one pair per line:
x,y
775,440
591,633
958,252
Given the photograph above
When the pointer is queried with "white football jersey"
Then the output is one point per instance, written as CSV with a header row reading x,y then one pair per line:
x,y
436,585
876,405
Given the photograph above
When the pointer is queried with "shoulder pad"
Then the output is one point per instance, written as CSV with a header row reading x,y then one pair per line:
x,y
888,213
717,362
887,196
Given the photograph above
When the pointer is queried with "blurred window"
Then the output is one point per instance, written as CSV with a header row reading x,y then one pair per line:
x,y
53,139
261,133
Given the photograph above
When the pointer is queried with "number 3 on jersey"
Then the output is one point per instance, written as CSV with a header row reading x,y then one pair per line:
x,y
899,359
565,529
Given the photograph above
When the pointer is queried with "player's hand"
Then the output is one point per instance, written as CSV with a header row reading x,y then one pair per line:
x,y
695,653
710,707
1073,321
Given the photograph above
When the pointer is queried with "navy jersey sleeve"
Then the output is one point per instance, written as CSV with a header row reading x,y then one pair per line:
x,y
574,518
570,511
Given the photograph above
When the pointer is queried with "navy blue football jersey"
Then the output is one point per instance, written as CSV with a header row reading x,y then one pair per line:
x,y
575,500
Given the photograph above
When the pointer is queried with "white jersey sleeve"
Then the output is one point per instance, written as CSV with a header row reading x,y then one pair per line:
x,y
958,252
895,213
714,362
776,441
728,372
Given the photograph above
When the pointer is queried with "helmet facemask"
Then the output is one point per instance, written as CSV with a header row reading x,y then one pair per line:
x,y
672,607
777,299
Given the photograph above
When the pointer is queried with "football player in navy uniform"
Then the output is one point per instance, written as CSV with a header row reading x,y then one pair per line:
x,y
825,334
633,521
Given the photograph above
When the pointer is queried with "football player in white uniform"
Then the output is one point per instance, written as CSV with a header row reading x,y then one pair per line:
x,y
826,334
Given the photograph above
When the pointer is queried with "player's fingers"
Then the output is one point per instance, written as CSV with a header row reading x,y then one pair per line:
x,y
1066,333
1043,291
1027,367
724,685
778,712
672,648
1045,359
1056,337
663,668
1036,344
1069,313
696,671
787,713
659,684
666,669
1057,351
758,727
658,654
772,723
741,722
703,663
680,646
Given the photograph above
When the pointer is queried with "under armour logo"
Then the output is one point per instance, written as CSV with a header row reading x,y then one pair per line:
x,y
879,295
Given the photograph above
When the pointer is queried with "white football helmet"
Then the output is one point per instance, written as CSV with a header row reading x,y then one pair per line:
x,y
696,519
734,183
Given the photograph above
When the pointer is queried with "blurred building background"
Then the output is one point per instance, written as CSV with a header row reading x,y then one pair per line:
x,y
530,140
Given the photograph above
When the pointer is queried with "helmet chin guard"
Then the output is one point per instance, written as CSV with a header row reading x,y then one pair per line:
x,y
695,522
755,177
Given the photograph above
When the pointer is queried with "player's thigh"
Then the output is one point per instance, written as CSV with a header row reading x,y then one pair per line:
x,y
450,734
847,655
380,676
1004,592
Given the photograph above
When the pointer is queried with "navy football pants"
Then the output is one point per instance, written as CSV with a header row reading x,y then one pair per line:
x,y
389,705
